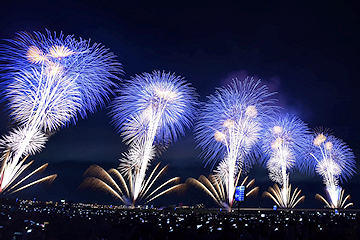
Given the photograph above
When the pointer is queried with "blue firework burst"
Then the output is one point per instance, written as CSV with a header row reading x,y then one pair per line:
x,y
91,66
158,103
284,142
232,118
331,158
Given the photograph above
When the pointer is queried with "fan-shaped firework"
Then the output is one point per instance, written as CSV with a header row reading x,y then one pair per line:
x,y
7,181
334,161
230,124
214,187
121,186
152,109
337,199
47,81
277,195
19,141
284,141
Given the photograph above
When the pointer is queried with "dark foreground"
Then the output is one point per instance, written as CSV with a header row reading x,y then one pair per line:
x,y
26,220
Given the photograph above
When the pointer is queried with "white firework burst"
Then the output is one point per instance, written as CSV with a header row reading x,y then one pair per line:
x,y
15,139
276,163
222,170
131,161
48,81
326,167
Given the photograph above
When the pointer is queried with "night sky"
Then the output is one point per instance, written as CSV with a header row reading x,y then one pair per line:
x,y
307,52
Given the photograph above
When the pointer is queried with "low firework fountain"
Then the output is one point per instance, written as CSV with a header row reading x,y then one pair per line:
x,y
284,141
151,111
47,81
229,127
114,183
333,161
15,186
213,186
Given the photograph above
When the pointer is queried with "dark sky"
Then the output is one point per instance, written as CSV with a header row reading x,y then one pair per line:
x,y
307,52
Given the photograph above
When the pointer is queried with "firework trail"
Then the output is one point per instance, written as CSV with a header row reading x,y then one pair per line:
x,y
229,126
333,161
151,111
284,141
47,81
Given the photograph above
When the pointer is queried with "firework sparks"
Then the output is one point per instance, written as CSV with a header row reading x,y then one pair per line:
x,y
157,104
15,138
48,80
150,111
279,196
284,140
229,126
337,197
8,184
91,67
333,160
120,186
214,187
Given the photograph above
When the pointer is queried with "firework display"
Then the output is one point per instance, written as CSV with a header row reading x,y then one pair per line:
x,y
230,125
151,111
48,80
284,143
334,161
